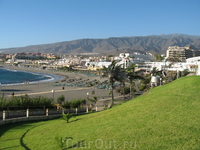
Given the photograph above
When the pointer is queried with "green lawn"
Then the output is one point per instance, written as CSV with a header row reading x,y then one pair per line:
x,y
166,117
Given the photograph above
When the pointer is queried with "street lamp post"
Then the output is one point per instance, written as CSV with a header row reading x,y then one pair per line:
x,y
53,91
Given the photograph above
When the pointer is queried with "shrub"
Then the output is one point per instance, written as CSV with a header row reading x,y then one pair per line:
x,y
109,93
133,89
146,80
118,90
76,103
185,72
61,99
25,101
142,87
126,90
66,105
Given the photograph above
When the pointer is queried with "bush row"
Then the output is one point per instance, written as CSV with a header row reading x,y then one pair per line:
x,y
76,103
25,102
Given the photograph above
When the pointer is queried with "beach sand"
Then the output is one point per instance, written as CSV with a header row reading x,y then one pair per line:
x,y
45,89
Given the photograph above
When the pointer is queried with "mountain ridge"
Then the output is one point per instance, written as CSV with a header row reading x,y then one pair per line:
x,y
156,44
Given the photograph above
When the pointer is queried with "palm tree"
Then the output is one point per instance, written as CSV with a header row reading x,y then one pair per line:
x,y
114,73
123,83
158,58
131,74
93,65
100,71
88,64
155,71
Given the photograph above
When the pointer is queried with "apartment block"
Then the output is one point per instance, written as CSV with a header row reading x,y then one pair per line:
x,y
179,53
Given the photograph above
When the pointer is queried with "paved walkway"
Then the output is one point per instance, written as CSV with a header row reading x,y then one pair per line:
x,y
106,102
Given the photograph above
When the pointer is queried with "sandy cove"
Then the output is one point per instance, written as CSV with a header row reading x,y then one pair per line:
x,y
45,89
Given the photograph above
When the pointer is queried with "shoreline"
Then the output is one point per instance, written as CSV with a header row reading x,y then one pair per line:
x,y
56,75
46,88
49,78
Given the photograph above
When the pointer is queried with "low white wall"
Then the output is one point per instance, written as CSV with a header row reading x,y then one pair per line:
x,y
31,118
19,116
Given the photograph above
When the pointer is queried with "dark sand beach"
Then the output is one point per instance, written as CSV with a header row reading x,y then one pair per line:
x,y
45,89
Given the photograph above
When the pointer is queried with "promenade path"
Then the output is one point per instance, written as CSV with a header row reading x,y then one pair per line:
x,y
69,92
104,100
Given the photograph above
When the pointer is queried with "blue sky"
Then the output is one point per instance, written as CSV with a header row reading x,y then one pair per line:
x,y
32,22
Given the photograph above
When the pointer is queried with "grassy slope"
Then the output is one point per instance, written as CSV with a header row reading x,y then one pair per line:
x,y
166,117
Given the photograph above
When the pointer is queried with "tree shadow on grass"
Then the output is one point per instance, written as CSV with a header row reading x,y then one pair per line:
x,y
74,120
21,139
19,125
10,140
6,127
10,147
70,120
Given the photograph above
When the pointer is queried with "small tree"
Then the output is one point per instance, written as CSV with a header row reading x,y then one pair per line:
x,y
62,141
94,100
93,65
61,99
88,64
67,116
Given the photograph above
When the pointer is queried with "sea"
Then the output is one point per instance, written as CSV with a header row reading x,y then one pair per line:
x,y
14,77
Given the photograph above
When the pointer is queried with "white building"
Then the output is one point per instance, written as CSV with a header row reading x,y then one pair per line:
x,y
136,58
67,62
97,64
193,60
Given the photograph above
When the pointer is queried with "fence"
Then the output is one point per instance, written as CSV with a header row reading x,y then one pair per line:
x,y
31,115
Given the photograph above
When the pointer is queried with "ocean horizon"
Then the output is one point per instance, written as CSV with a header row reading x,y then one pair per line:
x,y
14,77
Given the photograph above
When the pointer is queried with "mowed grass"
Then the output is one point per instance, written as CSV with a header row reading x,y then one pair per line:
x,y
166,117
